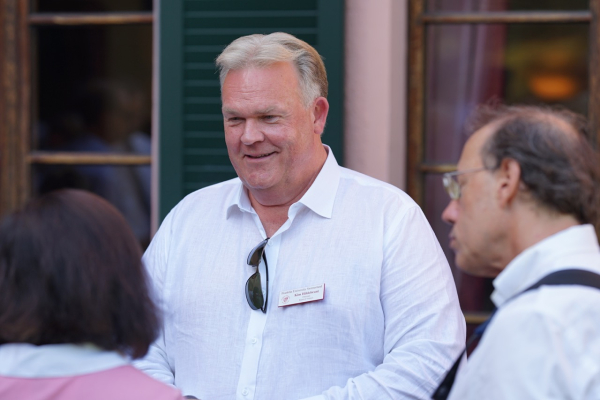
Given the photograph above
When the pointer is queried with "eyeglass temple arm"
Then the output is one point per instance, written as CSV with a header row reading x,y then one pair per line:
x,y
264,309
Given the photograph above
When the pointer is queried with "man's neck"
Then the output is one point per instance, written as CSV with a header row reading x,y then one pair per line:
x,y
533,227
271,217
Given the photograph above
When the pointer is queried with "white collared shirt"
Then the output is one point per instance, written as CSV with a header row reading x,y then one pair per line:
x,y
388,327
544,344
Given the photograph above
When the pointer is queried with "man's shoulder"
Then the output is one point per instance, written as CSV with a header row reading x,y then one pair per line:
x,y
559,308
210,197
363,185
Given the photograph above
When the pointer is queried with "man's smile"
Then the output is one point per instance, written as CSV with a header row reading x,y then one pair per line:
x,y
259,156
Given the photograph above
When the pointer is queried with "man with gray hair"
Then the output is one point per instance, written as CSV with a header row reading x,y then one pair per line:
x,y
299,278
525,200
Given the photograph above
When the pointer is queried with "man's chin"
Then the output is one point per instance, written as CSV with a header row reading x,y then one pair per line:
x,y
465,265
257,186
473,268
257,182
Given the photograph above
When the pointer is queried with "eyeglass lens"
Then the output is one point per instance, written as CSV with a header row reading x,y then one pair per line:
x,y
254,292
452,186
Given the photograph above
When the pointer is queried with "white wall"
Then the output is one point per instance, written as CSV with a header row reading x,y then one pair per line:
x,y
375,91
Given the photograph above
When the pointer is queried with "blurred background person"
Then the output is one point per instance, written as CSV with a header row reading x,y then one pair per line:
x,y
106,116
74,303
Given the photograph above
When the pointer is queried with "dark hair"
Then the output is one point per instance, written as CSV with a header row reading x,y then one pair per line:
x,y
559,166
71,272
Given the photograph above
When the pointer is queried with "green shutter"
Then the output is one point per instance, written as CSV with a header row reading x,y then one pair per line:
x,y
192,33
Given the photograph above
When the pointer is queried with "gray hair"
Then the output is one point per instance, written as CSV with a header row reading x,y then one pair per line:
x,y
265,50
559,167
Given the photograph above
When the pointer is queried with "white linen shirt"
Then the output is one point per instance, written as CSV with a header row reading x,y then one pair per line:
x,y
544,344
388,327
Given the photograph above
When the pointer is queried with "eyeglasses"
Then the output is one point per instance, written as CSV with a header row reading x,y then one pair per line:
x,y
451,182
253,285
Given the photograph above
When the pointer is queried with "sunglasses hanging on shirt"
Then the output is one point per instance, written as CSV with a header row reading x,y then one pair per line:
x,y
254,293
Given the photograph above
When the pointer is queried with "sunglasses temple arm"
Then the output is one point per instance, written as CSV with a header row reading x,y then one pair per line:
x,y
267,272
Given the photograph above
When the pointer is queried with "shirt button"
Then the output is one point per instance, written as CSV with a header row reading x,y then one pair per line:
x,y
245,392
254,340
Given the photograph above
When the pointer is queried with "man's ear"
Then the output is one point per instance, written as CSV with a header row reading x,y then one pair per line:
x,y
320,109
508,181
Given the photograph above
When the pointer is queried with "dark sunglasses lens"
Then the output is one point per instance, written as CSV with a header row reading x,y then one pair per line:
x,y
256,253
254,292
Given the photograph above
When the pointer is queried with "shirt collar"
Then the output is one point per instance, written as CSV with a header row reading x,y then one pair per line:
x,y
24,360
571,247
320,197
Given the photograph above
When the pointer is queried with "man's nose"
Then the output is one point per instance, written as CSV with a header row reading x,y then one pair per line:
x,y
252,133
450,213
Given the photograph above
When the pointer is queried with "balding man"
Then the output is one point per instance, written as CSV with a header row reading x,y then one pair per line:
x,y
299,278
525,200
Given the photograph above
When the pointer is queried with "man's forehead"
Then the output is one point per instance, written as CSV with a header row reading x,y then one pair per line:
x,y
273,85
471,154
275,69
265,110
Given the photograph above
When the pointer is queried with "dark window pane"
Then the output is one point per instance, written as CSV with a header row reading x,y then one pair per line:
x,y
517,63
92,88
90,5
549,64
506,5
126,187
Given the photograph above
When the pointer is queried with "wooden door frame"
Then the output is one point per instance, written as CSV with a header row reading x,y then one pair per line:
x,y
14,104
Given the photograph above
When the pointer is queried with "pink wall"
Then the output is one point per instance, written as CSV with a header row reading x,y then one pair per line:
x,y
375,91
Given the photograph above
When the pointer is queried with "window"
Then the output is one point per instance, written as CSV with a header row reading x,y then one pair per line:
x,y
76,102
465,52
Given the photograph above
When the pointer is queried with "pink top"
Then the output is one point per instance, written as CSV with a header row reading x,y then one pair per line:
x,y
68,372
116,383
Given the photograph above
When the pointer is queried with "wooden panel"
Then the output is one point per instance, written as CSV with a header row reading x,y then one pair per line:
x,y
437,168
91,18
416,90
476,318
24,186
71,158
13,120
506,17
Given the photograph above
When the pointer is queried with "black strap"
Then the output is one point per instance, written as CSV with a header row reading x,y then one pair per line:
x,y
443,390
563,277
579,277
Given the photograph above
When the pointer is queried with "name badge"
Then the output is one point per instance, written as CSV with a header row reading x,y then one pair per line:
x,y
303,295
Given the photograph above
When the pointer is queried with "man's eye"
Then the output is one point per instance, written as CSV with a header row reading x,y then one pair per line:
x,y
270,118
234,120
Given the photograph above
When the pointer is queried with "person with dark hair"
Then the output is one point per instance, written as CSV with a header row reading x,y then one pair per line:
x,y
525,203
74,303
